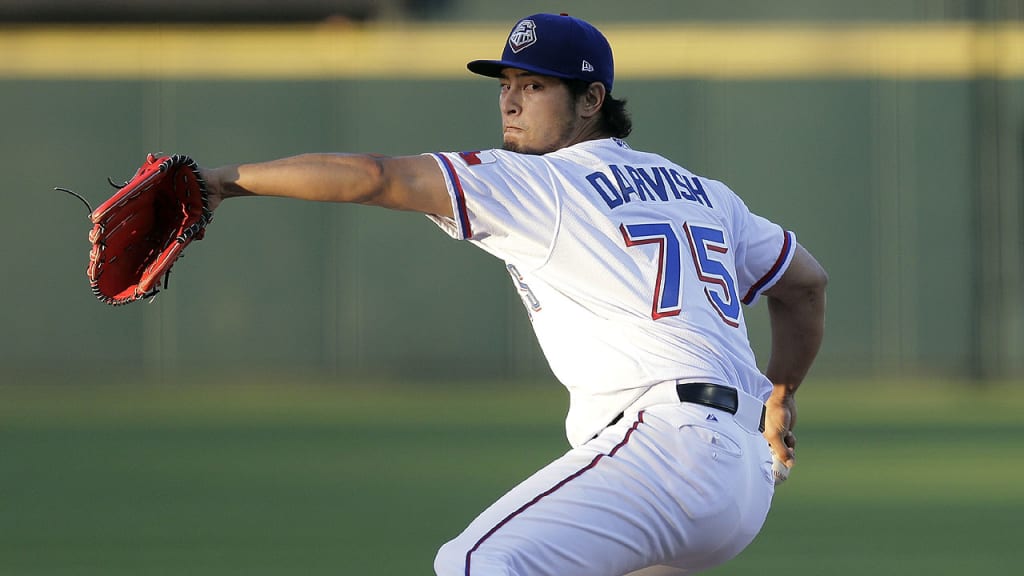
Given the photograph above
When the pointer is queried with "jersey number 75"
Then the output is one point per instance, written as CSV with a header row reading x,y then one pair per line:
x,y
707,248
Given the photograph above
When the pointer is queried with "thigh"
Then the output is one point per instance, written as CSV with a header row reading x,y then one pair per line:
x,y
626,500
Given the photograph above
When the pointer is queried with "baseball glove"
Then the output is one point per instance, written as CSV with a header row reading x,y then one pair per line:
x,y
140,232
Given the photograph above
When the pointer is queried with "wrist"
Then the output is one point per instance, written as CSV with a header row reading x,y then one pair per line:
x,y
782,392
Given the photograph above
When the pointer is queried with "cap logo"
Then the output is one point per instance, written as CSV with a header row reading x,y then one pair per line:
x,y
587,66
523,36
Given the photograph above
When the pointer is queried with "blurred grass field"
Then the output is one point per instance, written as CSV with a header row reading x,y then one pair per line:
x,y
309,478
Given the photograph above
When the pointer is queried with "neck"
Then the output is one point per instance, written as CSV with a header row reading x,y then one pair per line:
x,y
589,129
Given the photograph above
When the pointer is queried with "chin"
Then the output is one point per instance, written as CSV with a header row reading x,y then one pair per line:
x,y
511,146
521,149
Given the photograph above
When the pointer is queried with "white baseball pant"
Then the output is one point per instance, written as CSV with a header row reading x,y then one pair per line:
x,y
674,488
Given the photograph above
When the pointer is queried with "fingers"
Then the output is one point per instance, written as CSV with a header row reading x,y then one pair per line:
x,y
782,444
788,454
780,418
780,435
782,455
780,469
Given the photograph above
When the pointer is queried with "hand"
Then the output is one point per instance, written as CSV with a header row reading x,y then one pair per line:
x,y
779,421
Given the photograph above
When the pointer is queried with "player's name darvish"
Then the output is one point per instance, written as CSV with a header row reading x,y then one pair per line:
x,y
647,184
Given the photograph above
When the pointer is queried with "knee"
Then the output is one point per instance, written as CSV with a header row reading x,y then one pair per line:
x,y
453,559
450,561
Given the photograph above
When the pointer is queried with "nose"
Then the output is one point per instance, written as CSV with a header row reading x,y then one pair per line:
x,y
509,103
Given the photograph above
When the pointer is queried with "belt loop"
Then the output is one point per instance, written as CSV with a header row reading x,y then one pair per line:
x,y
750,413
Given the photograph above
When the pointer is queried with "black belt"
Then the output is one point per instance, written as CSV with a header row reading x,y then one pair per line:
x,y
723,398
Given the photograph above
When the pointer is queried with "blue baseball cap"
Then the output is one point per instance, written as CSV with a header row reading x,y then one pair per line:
x,y
554,45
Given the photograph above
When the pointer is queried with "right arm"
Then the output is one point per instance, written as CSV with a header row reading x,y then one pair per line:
x,y
400,183
796,309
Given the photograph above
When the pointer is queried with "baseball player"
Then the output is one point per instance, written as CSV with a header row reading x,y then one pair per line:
x,y
633,270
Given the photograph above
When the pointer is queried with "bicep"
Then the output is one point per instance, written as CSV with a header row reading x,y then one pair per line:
x,y
803,276
414,183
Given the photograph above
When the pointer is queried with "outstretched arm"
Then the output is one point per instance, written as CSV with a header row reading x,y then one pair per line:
x,y
796,307
401,183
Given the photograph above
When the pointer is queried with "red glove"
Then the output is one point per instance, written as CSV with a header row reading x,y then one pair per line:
x,y
141,231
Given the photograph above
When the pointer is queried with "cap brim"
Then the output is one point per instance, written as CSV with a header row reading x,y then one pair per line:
x,y
493,68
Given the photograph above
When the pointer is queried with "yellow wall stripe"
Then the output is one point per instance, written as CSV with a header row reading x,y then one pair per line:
x,y
678,50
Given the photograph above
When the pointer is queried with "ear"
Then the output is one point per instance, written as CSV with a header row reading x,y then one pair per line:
x,y
591,101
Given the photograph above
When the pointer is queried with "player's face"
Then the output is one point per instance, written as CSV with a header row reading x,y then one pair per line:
x,y
537,113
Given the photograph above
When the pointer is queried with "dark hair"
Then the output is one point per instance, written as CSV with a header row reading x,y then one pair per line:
x,y
615,118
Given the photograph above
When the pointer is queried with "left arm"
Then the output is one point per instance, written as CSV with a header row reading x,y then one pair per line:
x,y
401,183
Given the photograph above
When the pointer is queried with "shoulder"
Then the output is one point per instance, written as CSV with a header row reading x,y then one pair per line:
x,y
481,162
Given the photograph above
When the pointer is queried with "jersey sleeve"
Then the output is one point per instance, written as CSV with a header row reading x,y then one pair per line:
x,y
506,203
764,250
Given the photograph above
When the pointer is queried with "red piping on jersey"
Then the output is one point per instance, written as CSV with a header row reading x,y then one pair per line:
x,y
460,197
553,489
787,247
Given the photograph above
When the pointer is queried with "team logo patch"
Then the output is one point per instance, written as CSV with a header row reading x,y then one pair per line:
x,y
523,36
477,157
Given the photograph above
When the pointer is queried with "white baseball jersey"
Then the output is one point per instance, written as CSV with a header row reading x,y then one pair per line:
x,y
631,267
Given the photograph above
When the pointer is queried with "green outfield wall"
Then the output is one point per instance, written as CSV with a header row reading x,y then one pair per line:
x,y
894,152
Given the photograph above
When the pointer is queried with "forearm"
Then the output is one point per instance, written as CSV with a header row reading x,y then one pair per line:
x,y
797,330
318,177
